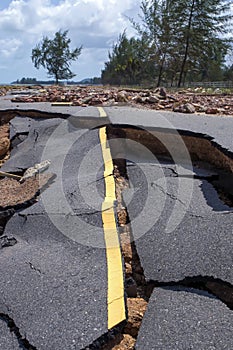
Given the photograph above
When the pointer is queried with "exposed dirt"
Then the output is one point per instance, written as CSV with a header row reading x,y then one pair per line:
x,y
138,291
134,279
199,148
136,310
186,101
4,143
13,193
121,342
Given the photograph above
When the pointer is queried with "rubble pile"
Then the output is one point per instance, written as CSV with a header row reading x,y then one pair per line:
x,y
186,101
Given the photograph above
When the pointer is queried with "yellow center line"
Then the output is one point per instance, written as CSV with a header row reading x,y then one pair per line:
x,y
116,302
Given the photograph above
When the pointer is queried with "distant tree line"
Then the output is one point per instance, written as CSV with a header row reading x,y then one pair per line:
x,y
34,81
177,41
26,81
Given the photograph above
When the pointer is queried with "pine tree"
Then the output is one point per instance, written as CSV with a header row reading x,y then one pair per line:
x,y
181,34
203,21
127,63
55,55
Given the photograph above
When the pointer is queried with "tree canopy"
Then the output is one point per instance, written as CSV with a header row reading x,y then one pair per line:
x,y
127,62
55,56
176,41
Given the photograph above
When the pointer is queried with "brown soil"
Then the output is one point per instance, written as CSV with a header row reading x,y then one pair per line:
x,y
136,309
121,342
126,341
4,143
136,306
13,193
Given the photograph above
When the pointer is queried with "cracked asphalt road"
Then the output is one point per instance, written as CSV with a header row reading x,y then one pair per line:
x,y
185,318
56,281
200,244
55,278
8,340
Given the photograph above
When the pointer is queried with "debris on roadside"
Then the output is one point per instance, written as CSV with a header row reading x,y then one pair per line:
x,y
183,101
37,168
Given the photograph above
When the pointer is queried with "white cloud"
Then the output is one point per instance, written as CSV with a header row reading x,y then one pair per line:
x,y
9,47
93,23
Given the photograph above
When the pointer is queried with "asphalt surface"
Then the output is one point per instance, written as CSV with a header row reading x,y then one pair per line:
x,y
179,318
29,152
8,340
80,117
217,127
181,227
54,280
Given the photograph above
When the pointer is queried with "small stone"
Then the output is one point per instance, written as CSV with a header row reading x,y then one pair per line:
x,y
128,269
144,99
160,106
189,108
161,91
122,96
212,111
152,99
137,99
199,108
184,108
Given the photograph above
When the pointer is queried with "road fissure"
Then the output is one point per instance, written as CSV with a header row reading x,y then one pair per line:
x,y
116,300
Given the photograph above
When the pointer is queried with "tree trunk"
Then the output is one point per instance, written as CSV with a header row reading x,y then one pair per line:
x,y
186,44
56,78
161,70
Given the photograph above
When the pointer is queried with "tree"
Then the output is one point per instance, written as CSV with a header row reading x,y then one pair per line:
x,y
203,22
55,56
26,81
127,63
182,33
158,25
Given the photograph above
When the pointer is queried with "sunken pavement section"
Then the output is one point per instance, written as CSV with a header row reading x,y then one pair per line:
x,y
54,279
54,286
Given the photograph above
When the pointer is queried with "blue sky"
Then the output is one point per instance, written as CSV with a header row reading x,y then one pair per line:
x,y
95,24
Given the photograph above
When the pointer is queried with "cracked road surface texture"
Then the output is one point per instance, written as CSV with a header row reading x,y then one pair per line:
x,y
181,318
200,243
54,280
29,152
214,126
8,340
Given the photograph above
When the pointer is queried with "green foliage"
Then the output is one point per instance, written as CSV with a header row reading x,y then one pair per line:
x,y
26,81
178,41
203,24
55,56
228,73
128,63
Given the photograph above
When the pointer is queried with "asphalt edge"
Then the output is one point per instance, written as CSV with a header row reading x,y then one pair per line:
x,y
116,297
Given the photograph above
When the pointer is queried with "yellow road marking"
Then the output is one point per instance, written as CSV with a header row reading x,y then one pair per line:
x,y
116,302
61,104
102,112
